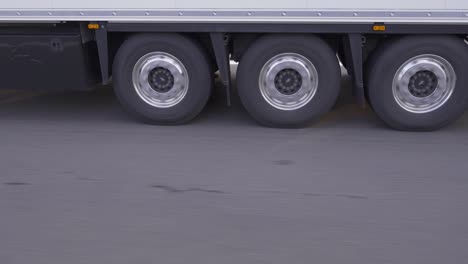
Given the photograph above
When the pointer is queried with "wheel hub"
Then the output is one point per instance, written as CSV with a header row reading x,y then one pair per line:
x,y
288,81
423,84
161,80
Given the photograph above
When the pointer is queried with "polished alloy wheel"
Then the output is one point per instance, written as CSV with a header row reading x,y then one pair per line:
x,y
160,79
424,83
288,81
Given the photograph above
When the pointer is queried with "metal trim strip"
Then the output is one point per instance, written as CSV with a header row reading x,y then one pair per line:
x,y
442,16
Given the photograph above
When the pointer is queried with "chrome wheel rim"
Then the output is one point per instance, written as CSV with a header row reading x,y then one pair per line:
x,y
424,83
160,79
288,81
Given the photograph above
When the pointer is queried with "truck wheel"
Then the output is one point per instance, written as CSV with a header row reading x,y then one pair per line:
x,y
419,83
162,78
288,80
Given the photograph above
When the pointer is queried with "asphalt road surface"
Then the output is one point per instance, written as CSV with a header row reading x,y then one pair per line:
x,y
82,183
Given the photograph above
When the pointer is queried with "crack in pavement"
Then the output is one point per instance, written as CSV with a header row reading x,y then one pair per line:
x,y
353,196
171,189
349,196
283,162
16,183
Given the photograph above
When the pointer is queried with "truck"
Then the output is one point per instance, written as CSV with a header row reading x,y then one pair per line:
x,y
407,58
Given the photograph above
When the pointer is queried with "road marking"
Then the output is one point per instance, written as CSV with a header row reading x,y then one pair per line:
x,y
7,92
8,97
343,112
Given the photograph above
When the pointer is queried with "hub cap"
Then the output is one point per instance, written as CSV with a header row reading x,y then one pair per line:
x,y
424,83
288,81
160,79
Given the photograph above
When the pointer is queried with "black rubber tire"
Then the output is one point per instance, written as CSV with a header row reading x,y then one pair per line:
x,y
189,52
268,46
386,61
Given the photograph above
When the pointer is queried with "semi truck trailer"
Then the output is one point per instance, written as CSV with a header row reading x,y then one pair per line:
x,y
407,58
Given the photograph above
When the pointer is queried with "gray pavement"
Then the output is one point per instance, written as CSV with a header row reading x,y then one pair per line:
x,y
82,183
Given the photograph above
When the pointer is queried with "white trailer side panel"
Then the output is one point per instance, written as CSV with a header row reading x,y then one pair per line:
x,y
457,4
257,4
304,11
5,4
114,4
